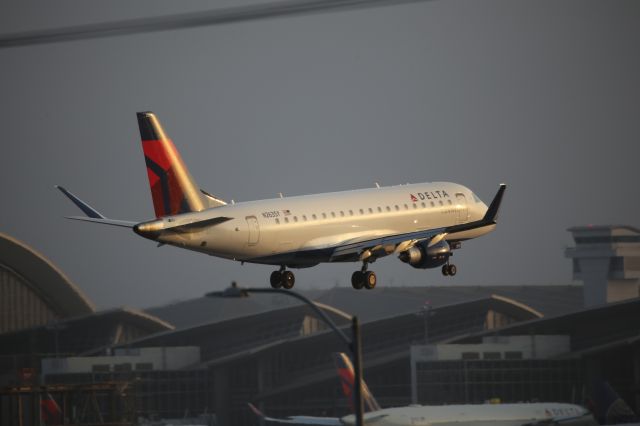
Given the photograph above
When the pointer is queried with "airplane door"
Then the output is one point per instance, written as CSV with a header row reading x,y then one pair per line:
x,y
463,210
254,230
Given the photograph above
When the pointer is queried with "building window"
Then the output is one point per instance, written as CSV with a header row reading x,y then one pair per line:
x,y
513,355
470,355
491,355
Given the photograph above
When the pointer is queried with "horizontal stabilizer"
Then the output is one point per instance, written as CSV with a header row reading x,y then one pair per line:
x,y
92,215
199,226
86,208
104,221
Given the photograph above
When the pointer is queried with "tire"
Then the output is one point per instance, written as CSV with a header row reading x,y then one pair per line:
x,y
445,270
276,279
288,280
357,280
370,280
452,270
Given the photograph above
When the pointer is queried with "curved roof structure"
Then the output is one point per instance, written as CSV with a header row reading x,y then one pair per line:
x,y
28,280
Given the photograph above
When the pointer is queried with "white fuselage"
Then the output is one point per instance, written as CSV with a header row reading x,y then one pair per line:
x,y
479,415
301,230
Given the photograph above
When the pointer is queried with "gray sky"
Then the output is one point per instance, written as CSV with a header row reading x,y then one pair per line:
x,y
541,95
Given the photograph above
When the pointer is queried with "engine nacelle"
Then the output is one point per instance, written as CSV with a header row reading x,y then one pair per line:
x,y
423,257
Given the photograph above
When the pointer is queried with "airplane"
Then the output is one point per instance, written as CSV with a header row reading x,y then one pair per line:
x,y
517,414
421,223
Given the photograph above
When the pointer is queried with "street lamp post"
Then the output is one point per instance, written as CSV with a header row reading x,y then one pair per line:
x,y
354,344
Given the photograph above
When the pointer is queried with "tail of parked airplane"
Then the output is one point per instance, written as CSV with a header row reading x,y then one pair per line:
x,y
172,188
347,380
50,412
609,408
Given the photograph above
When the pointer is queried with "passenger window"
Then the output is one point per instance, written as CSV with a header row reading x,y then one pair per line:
x,y
295,218
433,204
304,217
341,213
277,221
449,201
415,205
350,212
286,220
333,214
324,215
379,209
313,216
397,208
361,211
370,210
423,205
388,208
440,202
406,207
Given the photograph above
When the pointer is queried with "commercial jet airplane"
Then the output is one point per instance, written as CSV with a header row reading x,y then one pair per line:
x,y
422,223
520,414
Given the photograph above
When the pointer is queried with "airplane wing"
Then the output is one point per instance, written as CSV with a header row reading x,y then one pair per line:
x,y
92,215
307,420
383,246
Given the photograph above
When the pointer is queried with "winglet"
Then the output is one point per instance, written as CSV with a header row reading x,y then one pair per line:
x,y
86,208
492,212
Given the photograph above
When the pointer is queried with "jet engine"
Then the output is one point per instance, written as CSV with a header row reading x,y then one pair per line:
x,y
421,256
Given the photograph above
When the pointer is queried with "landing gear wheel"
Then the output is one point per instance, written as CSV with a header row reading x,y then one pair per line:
x,y
452,270
445,270
276,279
370,280
357,280
288,280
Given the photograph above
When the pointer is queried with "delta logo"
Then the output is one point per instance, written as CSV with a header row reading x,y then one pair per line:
x,y
430,195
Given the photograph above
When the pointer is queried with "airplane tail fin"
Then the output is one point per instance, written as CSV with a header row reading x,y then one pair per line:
x,y
50,412
347,380
609,408
172,188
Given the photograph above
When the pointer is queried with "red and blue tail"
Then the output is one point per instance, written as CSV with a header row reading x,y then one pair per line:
x,y
347,380
172,188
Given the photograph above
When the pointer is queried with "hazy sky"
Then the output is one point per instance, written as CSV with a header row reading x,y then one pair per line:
x,y
541,95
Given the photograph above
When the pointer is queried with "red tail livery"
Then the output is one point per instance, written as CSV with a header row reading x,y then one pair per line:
x,y
172,188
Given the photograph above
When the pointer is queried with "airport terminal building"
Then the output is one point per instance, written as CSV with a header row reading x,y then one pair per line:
x,y
425,345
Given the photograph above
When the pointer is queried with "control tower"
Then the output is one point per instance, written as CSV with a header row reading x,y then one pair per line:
x,y
607,261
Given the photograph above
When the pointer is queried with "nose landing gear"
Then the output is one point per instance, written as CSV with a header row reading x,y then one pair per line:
x,y
282,278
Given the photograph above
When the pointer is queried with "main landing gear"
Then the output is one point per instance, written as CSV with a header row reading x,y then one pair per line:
x,y
282,278
449,269
364,278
